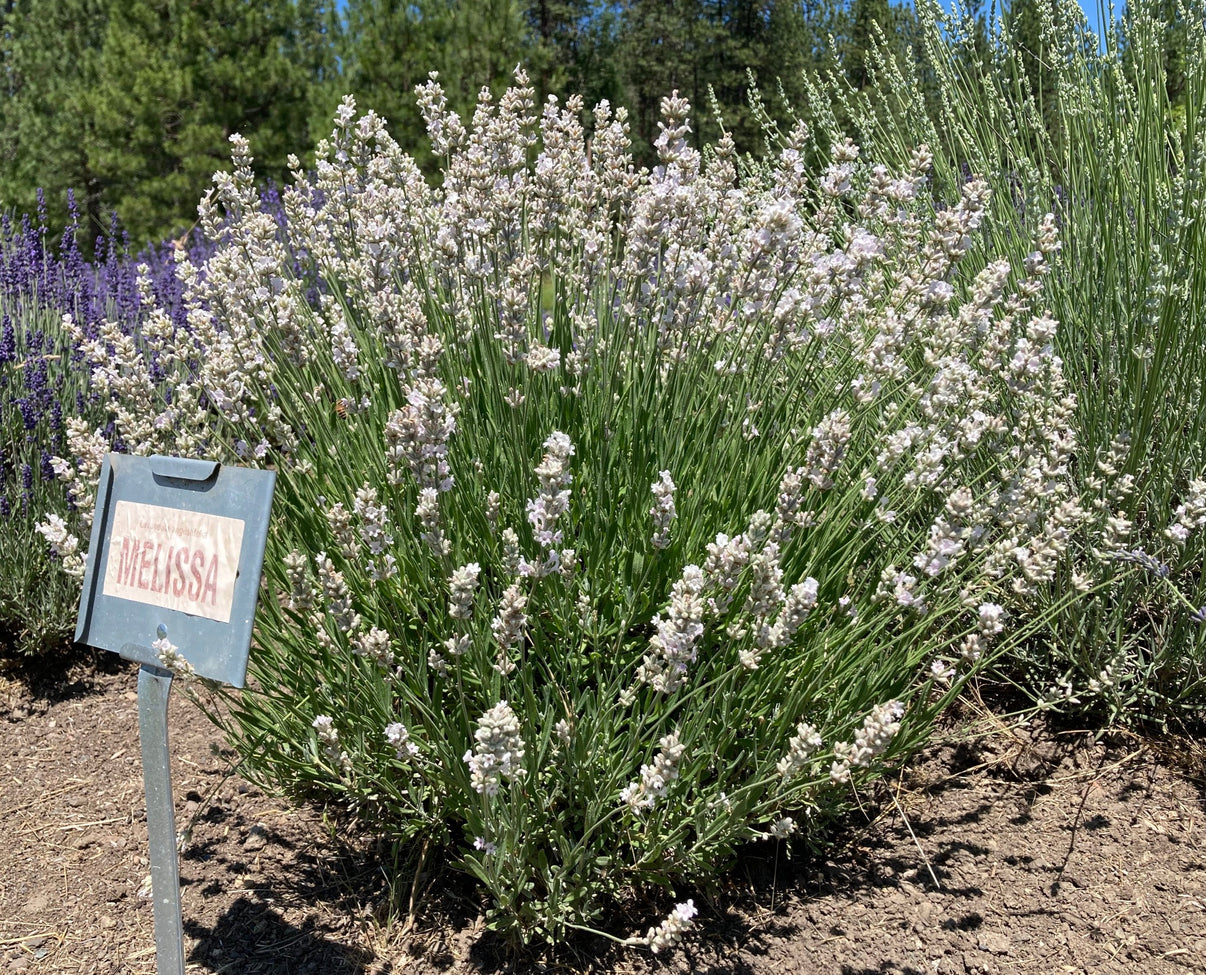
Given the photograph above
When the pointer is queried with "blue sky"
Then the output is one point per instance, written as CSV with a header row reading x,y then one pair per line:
x,y
1094,14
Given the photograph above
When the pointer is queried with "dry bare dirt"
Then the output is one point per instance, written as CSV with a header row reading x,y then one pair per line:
x,y
1036,850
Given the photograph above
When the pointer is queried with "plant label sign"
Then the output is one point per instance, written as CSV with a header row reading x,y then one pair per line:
x,y
175,559
177,550
176,554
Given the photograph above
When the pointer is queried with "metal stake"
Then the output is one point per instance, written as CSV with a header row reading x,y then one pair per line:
x,y
154,685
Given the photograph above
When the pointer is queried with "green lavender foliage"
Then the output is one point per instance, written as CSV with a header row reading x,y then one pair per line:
x,y
1110,137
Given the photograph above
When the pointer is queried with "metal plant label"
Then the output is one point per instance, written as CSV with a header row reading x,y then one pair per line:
x,y
175,558
177,546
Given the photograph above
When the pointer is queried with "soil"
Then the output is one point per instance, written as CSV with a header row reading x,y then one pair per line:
x,y
1035,849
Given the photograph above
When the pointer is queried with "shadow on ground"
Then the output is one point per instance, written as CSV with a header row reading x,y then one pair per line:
x,y
253,938
64,672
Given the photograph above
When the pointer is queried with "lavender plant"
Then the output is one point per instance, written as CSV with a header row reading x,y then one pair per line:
x,y
1118,156
46,399
623,516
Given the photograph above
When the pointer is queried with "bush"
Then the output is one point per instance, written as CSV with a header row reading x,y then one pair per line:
x,y
1116,150
46,401
622,517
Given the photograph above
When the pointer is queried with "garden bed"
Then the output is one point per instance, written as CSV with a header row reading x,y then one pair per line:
x,y
1050,852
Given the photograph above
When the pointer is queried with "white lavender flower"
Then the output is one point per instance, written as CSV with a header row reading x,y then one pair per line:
x,y
782,829
328,737
803,746
671,931
339,599
65,545
493,504
672,649
375,645
564,731
374,520
499,750
655,779
427,510
172,660
344,350
774,615
726,559
510,552
545,510
663,512
971,649
339,520
900,587
398,737
462,585
444,127
766,582
301,596
437,662
458,646
789,514
870,741
801,600
417,436
991,619
1190,514
510,623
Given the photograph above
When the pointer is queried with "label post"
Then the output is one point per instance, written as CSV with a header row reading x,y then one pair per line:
x,y
175,559
154,685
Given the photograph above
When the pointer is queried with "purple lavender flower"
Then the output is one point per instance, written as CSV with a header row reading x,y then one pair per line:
x,y
41,279
29,412
1146,562
8,342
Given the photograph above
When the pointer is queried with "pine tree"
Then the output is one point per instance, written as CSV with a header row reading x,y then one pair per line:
x,y
390,46
706,48
313,46
386,48
50,51
559,33
130,103
865,17
176,80
658,46
740,42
